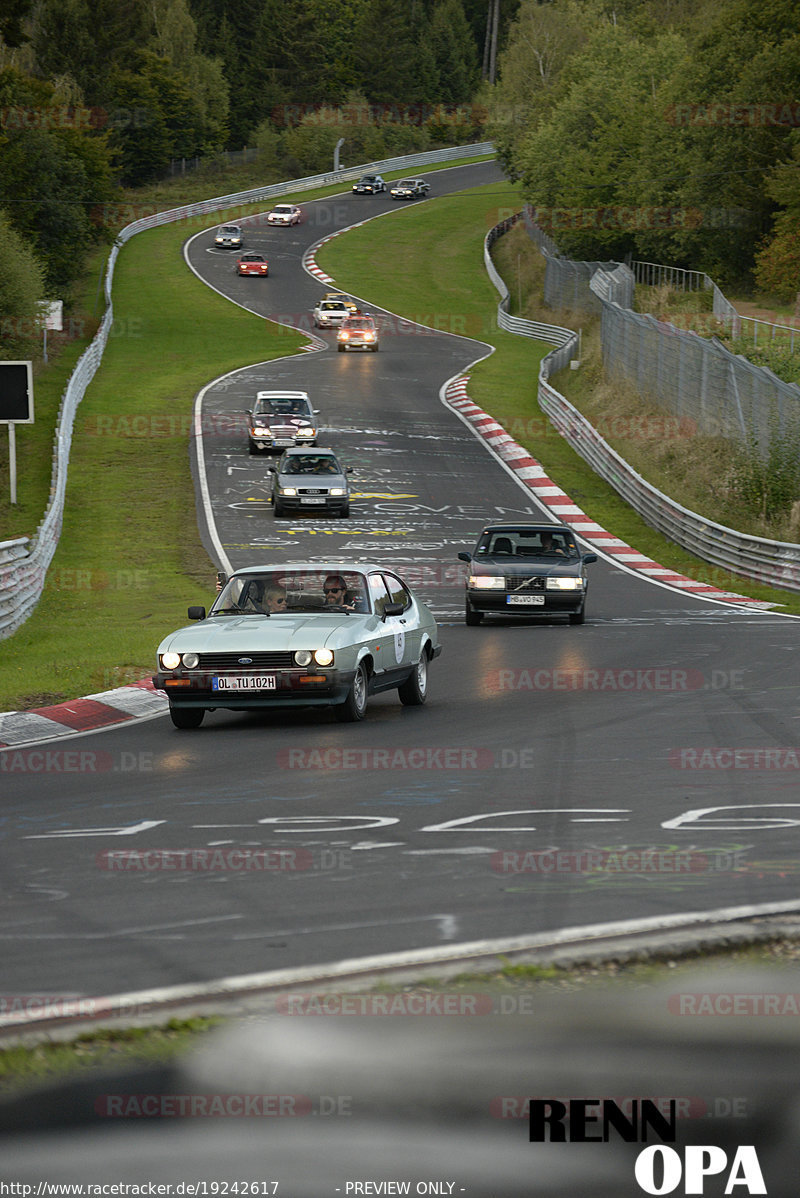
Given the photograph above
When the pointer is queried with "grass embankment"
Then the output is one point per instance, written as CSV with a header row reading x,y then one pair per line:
x,y
129,554
424,264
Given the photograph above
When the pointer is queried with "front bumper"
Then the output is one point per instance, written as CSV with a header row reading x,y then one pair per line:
x,y
294,503
281,442
194,689
558,603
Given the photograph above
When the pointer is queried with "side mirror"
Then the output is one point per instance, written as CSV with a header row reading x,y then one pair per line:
x,y
348,469
589,558
249,411
316,411
197,613
393,609
465,557
271,469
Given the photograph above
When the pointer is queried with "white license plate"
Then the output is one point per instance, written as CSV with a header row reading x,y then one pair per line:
x,y
312,498
525,600
284,441
248,682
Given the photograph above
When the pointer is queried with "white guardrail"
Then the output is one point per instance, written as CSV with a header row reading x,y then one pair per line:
x,y
772,563
24,562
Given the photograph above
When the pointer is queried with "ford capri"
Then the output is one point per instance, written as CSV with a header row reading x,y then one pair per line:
x,y
305,635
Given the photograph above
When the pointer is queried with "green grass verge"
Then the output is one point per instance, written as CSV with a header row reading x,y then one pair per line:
x,y
31,1066
427,264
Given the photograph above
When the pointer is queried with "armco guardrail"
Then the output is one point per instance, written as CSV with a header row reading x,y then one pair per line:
x,y
516,324
22,569
773,563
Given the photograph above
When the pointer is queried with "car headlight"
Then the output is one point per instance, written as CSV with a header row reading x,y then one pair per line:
x,y
336,491
323,657
288,490
564,584
307,432
302,657
170,661
486,582
258,431
343,336
190,660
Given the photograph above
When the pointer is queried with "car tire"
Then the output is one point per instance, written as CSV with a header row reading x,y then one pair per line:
x,y
355,705
414,691
375,349
577,617
187,717
345,511
340,348
251,447
472,618
278,508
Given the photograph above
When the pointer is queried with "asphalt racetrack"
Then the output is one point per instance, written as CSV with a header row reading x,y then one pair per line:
x,y
558,776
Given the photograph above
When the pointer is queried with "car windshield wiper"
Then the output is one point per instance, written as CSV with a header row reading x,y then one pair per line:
x,y
236,611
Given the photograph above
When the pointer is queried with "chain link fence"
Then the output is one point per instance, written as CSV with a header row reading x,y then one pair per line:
x,y
696,378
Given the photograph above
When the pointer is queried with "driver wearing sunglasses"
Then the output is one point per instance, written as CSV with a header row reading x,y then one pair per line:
x,y
336,593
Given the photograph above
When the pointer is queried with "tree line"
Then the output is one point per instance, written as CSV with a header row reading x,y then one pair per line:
x,y
668,130
98,95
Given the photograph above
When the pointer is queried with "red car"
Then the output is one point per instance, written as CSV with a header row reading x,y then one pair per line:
x,y
252,264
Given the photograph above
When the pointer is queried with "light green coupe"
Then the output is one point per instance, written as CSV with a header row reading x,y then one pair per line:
x,y
308,634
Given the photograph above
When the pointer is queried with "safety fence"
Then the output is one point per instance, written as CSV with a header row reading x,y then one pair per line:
x,y
24,562
772,563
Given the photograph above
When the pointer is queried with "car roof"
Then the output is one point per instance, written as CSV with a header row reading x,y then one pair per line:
x,y
520,526
331,566
298,450
281,395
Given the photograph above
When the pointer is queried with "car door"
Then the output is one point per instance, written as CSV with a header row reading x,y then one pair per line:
x,y
408,632
391,659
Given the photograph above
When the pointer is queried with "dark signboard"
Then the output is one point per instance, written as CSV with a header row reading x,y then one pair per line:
x,y
16,393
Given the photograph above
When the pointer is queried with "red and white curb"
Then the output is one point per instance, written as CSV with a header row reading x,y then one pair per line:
x,y
563,510
94,713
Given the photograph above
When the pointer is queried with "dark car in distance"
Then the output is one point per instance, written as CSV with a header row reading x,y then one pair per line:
x,y
526,570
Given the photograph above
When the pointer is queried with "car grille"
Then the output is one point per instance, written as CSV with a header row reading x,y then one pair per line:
x,y
312,490
531,582
275,660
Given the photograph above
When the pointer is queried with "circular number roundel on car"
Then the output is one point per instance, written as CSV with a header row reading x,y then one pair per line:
x,y
399,644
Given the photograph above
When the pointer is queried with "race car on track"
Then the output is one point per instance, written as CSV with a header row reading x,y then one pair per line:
x,y
310,480
284,214
229,237
330,313
281,420
252,264
526,570
369,185
306,635
344,298
358,332
410,189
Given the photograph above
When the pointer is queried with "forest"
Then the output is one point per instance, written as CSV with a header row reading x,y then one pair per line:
x,y
665,129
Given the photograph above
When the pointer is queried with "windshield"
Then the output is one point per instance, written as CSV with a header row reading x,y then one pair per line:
x,y
523,543
281,407
228,229
287,592
301,464
282,209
